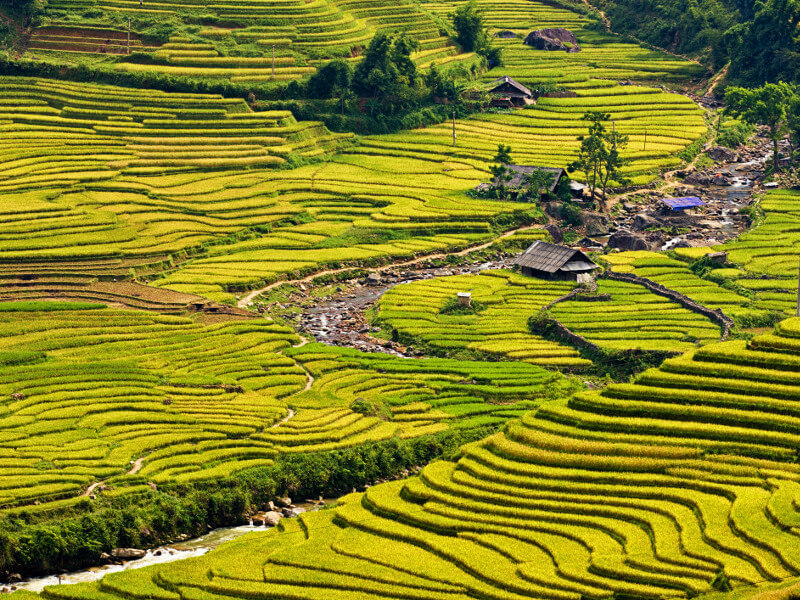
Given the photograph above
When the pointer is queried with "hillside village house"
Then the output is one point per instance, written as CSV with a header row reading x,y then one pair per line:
x,y
509,93
517,184
550,261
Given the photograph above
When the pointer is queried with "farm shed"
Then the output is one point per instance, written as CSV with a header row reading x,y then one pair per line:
x,y
550,261
509,93
677,204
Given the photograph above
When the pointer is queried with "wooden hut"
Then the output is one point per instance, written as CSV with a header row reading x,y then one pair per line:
x,y
509,93
551,261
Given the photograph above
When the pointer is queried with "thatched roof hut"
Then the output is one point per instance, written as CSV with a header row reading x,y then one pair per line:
x,y
551,261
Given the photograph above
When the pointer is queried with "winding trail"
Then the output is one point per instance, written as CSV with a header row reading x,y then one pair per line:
x,y
247,300
283,420
137,466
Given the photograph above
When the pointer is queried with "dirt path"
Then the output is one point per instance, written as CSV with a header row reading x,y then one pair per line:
x,y
137,466
714,80
283,420
247,300
92,488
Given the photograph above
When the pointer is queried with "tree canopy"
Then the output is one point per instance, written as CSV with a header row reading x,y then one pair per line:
x,y
767,105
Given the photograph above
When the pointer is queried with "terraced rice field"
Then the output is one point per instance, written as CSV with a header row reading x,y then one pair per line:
x,y
676,275
107,183
651,488
633,317
301,34
88,389
768,254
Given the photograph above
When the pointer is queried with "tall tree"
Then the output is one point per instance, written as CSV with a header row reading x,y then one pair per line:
x,y
500,171
599,157
471,34
768,105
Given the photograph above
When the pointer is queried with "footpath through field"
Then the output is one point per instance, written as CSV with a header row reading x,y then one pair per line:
x,y
247,300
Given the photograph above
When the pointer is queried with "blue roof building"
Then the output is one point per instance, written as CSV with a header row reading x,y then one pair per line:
x,y
683,203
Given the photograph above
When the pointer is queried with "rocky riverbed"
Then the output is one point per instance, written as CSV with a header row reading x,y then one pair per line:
x,y
339,319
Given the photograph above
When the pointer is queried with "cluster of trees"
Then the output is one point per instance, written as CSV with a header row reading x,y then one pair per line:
x,y
386,81
773,105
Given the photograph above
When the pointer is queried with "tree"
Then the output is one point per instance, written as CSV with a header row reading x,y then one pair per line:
x,y
539,182
599,157
500,171
388,73
768,105
503,155
332,80
471,34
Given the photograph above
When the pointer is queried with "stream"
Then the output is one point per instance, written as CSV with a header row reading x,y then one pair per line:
x,y
164,554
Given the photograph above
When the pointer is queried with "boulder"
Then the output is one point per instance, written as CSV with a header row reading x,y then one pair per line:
x,y
373,279
555,233
595,223
128,553
721,179
645,221
721,154
555,38
682,244
552,209
272,518
258,520
625,240
697,179
285,501
506,34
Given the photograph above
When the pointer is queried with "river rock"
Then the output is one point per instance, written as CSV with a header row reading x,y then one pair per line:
x,y
554,38
285,501
721,179
625,240
555,233
697,179
258,520
721,154
644,221
128,553
373,279
595,223
272,518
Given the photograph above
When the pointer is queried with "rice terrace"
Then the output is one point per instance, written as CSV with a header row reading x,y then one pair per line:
x,y
424,299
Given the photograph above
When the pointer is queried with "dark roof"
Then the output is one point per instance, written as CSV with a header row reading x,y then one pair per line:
x,y
505,79
551,258
682,203
520,171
